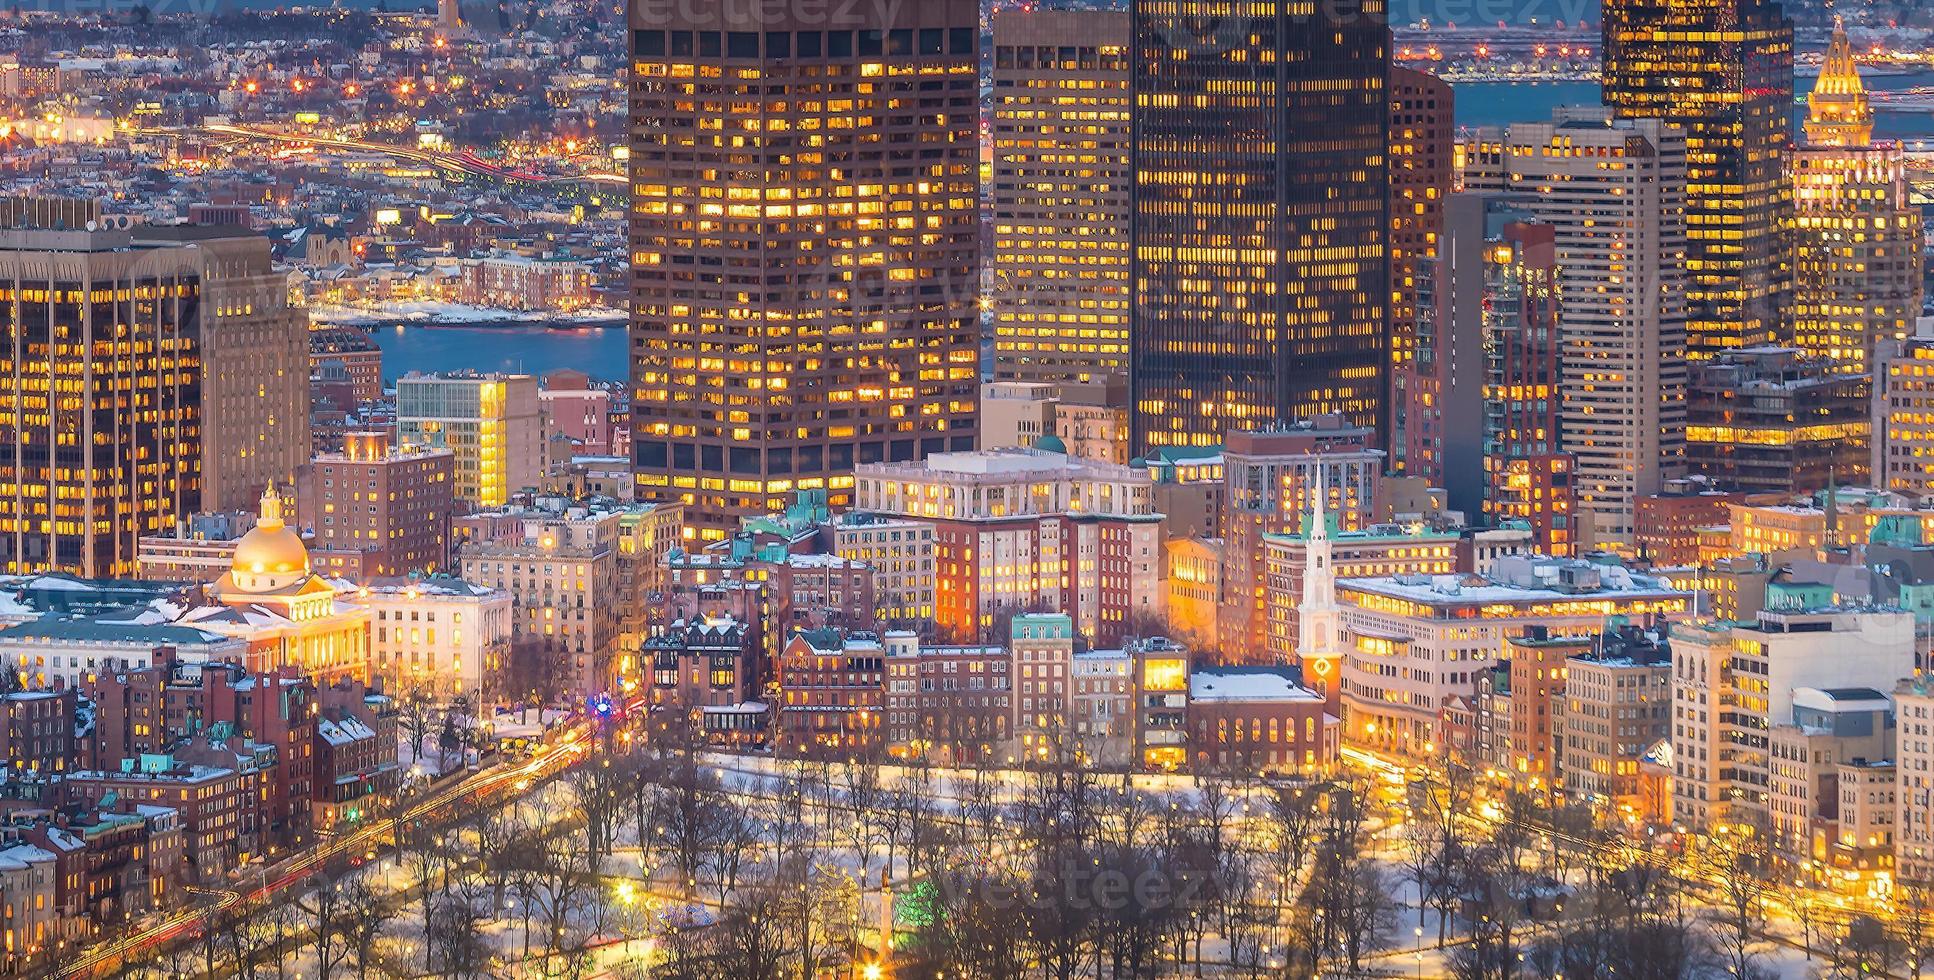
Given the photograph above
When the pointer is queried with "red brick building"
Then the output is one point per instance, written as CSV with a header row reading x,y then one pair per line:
x,y
822,592
831,694
1537,683
1666,524
218,805
389,507
37,731
356,768
144,712
523,282
356,351
1029,530
1254,720
948,704
709,668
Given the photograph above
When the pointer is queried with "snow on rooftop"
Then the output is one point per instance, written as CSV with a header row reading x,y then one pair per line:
x,y
1213,684
1462,589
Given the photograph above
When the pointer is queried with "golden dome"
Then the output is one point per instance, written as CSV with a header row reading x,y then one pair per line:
x,y
272,555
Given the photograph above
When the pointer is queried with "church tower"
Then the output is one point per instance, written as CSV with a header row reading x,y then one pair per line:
x,y
1319,620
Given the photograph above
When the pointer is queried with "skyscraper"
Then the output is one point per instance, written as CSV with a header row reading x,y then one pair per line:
x,y
805,251
255,363
1856,237
1260,224
101,413
1422,121
1059,294
1493,327
1613,193
1723,71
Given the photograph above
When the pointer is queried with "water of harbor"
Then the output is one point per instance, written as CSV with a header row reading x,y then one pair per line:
x,y
1501,103
524,349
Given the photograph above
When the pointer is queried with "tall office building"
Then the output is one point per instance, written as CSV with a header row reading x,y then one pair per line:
x,y
1059,294
492,422
1856,238
1260,223
805,246
1723,71
1612,190
101,414
1493,326
208,336
1422,147
255,364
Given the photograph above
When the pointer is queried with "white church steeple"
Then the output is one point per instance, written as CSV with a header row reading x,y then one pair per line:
x,y
1319,620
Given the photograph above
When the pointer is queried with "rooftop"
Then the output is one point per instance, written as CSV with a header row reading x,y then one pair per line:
x,y
1222,684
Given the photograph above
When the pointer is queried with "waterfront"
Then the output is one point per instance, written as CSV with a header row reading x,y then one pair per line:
x,y
1499,103
529,349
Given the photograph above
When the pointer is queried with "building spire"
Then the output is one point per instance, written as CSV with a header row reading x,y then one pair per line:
x,y
1838,113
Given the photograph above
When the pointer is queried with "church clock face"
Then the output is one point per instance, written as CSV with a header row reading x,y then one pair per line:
x,y
1322,666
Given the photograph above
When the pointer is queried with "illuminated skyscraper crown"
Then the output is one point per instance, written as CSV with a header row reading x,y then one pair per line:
x,y
1838,113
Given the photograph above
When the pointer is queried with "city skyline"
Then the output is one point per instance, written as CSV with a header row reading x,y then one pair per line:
x,y
792,490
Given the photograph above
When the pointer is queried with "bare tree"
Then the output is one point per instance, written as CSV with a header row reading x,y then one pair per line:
x,y
415,717
563,885
1868,948
454,944
743,945
1914,919
500,836
1348,891
970,923
367,924
421,853
860,783
598,795
1736,865
737,832
331,907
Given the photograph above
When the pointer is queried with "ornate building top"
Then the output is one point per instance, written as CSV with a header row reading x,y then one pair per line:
x,y
1838,113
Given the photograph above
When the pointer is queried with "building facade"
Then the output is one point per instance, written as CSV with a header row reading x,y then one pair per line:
x,y
1261,217
1060,135
494,424
1422,148
1857,266
1733,682
120,455
1022,530
1416,642
387,506
439,637
1776,419
1613,193
834,237
1723,71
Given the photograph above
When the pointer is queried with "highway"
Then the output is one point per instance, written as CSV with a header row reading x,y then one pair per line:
x,y
464,162
103,960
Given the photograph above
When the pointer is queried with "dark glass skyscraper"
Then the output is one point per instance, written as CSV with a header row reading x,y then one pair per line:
x,y
1260,221
1723,71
